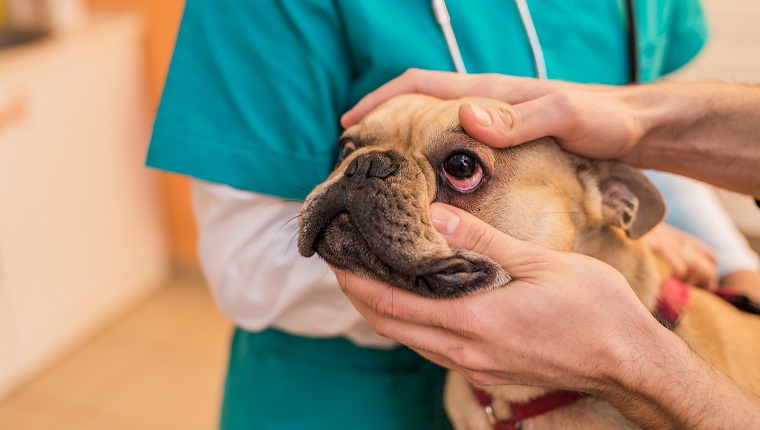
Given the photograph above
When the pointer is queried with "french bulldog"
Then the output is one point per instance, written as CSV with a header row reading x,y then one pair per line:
x,y
371,217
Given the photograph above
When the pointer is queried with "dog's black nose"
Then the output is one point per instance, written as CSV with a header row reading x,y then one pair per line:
x,y
374,164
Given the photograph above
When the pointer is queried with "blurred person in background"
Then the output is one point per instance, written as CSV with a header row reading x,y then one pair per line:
x,y
251,111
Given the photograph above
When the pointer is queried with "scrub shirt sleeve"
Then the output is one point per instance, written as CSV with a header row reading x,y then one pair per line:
x,y
687,35
253,95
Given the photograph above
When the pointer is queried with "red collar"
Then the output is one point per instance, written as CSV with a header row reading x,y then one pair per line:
x,y
674,295
522,411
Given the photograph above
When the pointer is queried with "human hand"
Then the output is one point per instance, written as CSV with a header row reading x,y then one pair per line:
x,y
565,321
596,121
688,258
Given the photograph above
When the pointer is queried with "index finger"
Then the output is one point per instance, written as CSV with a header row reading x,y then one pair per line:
x,y
375,299
439,84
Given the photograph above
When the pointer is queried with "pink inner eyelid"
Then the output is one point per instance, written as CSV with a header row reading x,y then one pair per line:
x,y
465,184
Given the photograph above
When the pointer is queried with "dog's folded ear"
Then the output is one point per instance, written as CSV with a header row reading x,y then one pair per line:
x,y
629,200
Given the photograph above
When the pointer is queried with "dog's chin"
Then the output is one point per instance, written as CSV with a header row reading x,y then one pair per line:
x,y
339,244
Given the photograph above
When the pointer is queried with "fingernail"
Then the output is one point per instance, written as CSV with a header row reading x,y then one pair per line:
x,y
444,221
481,116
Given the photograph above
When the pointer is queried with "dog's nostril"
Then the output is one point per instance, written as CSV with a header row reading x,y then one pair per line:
x,y
382,168
352,168
371,165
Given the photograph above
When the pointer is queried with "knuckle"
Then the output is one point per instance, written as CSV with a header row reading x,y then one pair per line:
x,y
388,328
469,374
509,116
479,239
482,84
566,102
412,72
381,328
343,288
679,269
382,305
468,359
479,378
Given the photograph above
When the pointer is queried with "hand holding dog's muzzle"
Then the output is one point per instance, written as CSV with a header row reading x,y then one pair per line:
x,y
560,321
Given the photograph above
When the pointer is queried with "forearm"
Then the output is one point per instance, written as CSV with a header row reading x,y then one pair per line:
x,y
707,131
663,384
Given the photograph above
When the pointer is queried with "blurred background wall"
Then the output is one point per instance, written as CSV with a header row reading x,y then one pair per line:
x,y
162,21
86,231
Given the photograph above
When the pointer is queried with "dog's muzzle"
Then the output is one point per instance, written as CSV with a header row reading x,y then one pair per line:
x,y
373,220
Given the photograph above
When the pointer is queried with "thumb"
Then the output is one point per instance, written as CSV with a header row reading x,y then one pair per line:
x,y
511,125
463,230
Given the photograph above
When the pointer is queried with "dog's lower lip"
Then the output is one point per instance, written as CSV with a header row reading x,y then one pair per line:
x,y
450,284
342,218
450,277
450,267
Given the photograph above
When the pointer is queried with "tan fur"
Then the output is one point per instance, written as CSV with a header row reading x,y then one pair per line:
x,y
724,336
534,192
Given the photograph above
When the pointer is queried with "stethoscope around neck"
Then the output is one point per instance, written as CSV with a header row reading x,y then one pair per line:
x,y
442,16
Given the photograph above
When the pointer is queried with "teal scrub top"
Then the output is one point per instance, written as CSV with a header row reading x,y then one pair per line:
x,y
256,88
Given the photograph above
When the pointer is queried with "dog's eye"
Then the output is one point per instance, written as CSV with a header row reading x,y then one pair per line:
x,y
346,149
463,172
460,166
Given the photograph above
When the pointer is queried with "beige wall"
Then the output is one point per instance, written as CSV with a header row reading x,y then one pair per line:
x,y
162,18
82,238
733,51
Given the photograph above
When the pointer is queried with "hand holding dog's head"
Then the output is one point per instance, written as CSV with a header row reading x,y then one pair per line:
x,y
371,216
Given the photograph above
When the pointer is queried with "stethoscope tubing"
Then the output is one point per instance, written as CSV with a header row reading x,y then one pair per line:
x,y
444,20
535,44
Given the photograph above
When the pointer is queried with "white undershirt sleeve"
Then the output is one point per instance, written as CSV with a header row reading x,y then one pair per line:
x,y
249,255
695,208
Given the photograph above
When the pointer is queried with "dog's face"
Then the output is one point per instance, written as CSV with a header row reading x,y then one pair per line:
x,y
371,216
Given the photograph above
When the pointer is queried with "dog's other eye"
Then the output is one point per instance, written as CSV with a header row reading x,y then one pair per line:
x,y
346,149
463,172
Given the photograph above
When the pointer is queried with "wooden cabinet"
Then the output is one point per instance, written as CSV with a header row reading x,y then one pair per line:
x,y
81,231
